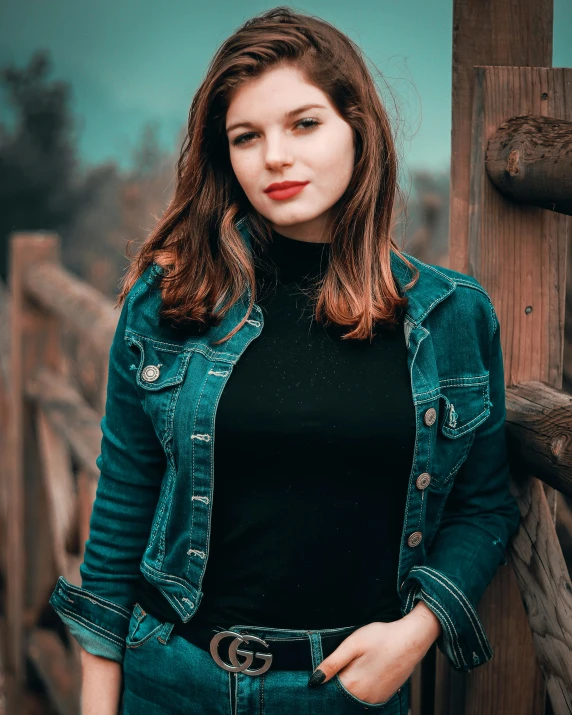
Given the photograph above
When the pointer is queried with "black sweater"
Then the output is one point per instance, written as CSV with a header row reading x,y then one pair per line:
x,y
314,439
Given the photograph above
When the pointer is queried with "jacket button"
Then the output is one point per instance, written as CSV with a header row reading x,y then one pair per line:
x,y
151,373
414,539
430,416
423,480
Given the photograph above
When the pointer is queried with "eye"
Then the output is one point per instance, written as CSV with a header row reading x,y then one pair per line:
x,y
242,139
313,122
307,123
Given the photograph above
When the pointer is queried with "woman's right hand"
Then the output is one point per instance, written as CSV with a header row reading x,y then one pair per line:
x,y
101,685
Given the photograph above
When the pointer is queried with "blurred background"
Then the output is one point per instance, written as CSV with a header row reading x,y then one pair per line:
x,y
94,99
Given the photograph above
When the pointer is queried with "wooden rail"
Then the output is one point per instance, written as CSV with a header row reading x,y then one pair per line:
x,y
539,420
529,160
512,143
539,432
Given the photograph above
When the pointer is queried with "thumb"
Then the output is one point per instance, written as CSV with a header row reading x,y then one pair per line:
x,y
343,654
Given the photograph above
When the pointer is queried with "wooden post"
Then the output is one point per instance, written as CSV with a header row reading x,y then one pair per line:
x,y
518,253
34,341
494,32
486,32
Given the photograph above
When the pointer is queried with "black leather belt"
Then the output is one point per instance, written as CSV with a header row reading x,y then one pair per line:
x,y
246,652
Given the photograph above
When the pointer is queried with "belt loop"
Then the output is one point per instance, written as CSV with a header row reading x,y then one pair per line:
x,y
165,633
316,648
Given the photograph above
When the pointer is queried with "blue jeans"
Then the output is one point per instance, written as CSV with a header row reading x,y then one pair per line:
x,y
165,674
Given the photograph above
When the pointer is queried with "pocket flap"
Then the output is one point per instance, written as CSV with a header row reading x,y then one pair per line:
x,y
160,364
467,404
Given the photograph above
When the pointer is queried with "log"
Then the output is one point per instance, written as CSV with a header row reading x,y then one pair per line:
x,y
85,308
60,487
4,334
33,341
546,591
72,418
529,160
86,490
539,432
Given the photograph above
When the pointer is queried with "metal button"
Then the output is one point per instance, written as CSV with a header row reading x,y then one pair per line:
x,y
423,480
150,373
414,539
430,416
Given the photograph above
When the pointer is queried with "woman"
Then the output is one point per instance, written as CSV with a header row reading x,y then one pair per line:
x,y
362,503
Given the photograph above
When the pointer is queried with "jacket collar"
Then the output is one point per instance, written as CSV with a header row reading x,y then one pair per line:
x,y
431,288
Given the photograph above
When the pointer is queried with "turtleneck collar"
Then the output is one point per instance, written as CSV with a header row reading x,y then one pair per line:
x,y
297,260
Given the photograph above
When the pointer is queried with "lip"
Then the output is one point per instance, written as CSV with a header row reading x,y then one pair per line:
x,y
285,189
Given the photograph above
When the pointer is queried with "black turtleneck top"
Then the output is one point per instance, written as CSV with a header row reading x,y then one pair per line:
x,y
314,439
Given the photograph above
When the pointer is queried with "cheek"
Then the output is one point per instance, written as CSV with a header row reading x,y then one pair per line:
x,y
244,170
335,173
335,158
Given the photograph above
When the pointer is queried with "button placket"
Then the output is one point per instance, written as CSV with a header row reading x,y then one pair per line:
x,y
423,480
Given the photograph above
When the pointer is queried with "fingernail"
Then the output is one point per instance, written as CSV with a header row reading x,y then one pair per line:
x,y
317,677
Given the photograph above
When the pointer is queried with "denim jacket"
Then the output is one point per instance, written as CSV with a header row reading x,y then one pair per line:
x,y
152,510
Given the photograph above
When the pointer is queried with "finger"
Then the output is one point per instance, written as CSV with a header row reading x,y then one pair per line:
x,y
343,654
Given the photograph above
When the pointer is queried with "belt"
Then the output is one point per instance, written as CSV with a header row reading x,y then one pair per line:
x,y
244,650
292,653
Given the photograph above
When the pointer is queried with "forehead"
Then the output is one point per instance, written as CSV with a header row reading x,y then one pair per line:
x,y
277,91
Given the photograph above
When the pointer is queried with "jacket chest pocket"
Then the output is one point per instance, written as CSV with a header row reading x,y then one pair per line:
x,y
160,368
466,405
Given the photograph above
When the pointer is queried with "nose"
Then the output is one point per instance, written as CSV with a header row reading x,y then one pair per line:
x,y
278,152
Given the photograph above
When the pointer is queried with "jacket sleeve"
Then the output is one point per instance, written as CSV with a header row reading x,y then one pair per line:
x,y
131,463
479,518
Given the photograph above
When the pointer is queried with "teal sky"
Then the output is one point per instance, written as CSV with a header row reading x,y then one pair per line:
x,y
137,61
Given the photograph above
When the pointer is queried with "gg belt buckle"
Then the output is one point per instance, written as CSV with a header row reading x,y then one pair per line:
x,y
233,651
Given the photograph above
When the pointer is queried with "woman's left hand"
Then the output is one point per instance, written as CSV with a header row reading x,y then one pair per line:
x,y
375,660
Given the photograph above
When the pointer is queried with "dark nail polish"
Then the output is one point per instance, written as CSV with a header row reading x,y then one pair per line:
x,y
317,677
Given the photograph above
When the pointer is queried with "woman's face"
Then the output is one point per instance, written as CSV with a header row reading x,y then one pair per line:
x,y
274,137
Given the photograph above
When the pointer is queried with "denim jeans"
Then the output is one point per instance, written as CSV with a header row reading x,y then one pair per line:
x,y
165,674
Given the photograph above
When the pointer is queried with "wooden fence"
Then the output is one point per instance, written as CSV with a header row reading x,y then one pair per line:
x,y
511,198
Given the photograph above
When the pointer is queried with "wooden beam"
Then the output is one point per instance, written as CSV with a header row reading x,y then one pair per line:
x,y
546,591
539,432
60,487
90,312
6,434
486,32
529,160
68,413
4,333
33,341
86,490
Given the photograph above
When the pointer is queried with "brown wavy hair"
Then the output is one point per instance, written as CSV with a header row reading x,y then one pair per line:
x,y
205,258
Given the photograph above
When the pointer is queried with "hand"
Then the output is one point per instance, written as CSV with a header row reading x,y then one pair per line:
x,y
375,660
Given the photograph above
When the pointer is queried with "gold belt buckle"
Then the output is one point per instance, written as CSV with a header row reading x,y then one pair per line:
x,y
233,651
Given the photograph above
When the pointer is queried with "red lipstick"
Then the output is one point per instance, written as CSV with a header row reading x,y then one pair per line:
x,y
284,189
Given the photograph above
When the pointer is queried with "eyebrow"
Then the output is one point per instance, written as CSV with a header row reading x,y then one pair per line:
x,y
287,115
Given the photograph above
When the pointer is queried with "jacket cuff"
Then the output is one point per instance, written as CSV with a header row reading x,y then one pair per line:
x,y
99,626
463,640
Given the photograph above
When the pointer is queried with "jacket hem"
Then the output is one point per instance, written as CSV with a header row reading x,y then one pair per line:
x,y
463,639
99,625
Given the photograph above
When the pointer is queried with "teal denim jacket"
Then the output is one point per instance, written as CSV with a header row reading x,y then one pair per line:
x,y
152,510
